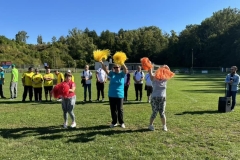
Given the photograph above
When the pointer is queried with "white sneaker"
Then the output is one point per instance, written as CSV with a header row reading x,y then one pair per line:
x,y
65,125
151,127
113,125
73,125
123,125
165,128
59,100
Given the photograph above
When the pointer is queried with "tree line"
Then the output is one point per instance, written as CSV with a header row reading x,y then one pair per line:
x,y
213,43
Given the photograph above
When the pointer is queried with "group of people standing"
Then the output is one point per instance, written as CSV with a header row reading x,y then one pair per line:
x,y
34,82
117,91
13,82
102,78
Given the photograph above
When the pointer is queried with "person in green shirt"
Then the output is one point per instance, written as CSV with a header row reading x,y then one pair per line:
x,y
14,82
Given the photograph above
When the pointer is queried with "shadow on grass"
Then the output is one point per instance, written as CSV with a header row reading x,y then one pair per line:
x,y
7,101
204,91
28,102
57,132
93,102
199,112
90,136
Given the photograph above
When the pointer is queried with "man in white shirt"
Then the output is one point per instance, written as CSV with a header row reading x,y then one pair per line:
x,y
101,78
138,77
148,87
86,76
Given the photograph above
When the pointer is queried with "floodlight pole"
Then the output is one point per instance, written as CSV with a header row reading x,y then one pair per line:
x,y
192,60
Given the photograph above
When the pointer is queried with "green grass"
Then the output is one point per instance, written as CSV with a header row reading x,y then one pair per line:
x,y
196,129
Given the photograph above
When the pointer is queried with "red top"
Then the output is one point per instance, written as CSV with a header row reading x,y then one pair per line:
x,y
71,85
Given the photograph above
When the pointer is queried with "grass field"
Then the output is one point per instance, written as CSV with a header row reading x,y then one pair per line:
x,y
195,128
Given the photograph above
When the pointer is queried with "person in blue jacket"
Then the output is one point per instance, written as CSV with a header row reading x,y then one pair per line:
x,y
232,81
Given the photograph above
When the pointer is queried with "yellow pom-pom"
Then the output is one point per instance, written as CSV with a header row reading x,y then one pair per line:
x,y
119,58
99,55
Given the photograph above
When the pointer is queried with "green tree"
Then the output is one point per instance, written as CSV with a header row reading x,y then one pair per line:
x,y
21,36
39,39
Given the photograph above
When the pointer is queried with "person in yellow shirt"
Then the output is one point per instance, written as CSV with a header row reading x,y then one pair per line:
x,y
60,78
37,80
27,84
48,84
69,71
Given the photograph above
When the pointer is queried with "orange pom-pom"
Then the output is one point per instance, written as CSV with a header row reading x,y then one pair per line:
x,y
164,73
146,63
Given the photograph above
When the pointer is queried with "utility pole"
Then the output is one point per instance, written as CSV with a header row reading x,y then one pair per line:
x,y
192,60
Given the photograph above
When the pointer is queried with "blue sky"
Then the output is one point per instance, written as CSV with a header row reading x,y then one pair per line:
x,y
56,17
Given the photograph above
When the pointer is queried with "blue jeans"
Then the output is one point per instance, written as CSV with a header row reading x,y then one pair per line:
x,y
233,95
87,87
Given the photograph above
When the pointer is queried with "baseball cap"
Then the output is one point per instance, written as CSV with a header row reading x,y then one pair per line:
x,y
69,71
13,65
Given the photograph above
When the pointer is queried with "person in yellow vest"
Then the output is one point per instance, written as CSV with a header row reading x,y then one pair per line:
x,y
48,84
60,78
69,71
37,80
27,84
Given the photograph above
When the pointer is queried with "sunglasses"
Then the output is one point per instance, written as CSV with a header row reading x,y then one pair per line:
x,y
115,67
232,69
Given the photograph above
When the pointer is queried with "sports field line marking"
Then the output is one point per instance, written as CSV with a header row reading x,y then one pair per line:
x,y
185,95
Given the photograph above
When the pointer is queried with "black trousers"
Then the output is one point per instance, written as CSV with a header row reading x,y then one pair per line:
x,y
27,89
126,92
116,107
100,89
138,88
38,94
1,91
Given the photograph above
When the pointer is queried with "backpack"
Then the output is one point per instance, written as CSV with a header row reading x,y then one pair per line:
x,y
137,71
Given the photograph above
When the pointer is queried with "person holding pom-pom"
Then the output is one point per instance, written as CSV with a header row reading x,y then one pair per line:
x,y
116,88
158,100
68,99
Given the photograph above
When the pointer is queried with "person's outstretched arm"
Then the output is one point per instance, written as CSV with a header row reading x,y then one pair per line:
x,y
104,67
151,74
125,69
